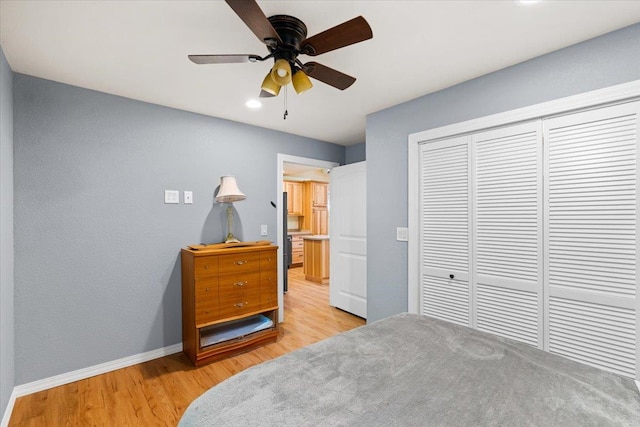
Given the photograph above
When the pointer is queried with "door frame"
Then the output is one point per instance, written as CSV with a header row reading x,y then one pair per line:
x,y
282,158
613,94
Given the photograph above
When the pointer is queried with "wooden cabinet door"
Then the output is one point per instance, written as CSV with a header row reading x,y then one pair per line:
x,y
295,198
320,221
319,194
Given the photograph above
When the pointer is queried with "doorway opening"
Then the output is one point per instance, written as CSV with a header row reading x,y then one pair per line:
x,y
303,221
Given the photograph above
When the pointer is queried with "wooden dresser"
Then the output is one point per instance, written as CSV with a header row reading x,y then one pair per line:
x,y
229,300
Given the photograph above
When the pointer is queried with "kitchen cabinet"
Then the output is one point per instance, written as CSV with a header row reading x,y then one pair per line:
x,y
316,259
318,192
295,198
320,221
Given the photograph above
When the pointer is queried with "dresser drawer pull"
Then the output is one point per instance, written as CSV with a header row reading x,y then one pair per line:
x,y
240,262
240,283
240,304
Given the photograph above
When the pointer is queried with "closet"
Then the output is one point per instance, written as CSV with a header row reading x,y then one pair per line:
x,y
530,231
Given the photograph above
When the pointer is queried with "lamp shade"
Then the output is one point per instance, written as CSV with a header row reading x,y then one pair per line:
x,y
281,72
229,191
301,82
269,86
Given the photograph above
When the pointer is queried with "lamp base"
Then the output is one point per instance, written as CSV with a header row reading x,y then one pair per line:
x,y
231,239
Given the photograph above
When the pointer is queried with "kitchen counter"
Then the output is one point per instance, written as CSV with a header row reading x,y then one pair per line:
x,y
298,232
316,258
317,237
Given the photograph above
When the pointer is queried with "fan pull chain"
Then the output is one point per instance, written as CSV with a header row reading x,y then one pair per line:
x,y
286,112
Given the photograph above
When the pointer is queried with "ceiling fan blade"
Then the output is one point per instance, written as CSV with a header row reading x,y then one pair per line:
x,y
328,75
223,59
255,19
345,34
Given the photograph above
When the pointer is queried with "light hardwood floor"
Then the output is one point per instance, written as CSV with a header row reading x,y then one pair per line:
x,y
156,393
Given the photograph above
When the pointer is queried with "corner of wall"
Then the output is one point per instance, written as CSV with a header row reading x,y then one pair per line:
x,y
7,343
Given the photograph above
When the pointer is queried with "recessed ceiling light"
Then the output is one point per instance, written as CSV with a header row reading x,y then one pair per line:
x,y
254,104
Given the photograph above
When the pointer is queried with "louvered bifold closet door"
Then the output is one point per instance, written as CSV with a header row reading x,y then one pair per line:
x,y
592,222
444,227
508,232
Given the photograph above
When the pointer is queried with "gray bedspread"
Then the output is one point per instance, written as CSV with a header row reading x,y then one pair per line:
x,y
411,370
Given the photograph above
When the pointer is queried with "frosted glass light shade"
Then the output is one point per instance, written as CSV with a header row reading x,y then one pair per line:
x,y
281,72
229,191
269,86
301,82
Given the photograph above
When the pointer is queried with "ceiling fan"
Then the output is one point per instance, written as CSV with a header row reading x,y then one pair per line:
x,y
286,37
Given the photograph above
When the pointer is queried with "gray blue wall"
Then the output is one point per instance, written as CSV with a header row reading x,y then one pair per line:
x,y
604,61
97,272
6,234
355,153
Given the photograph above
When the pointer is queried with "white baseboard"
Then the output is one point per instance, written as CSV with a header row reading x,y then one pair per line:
x,y
7,412
80,374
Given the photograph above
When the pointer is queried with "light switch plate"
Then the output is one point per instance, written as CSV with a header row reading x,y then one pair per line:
x,y
188,197
402,234
171,196
263,230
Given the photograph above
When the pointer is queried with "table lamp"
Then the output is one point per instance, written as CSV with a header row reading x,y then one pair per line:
x,y
229,193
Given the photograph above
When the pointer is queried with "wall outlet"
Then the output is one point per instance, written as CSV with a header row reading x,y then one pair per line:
x,y
171,196
402,234
263,230
188,197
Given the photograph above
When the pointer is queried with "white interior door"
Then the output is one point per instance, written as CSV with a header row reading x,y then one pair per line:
x,y
348,234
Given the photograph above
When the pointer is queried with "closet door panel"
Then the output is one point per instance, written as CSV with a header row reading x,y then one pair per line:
x,y
596,334
444,227
592,236
508,232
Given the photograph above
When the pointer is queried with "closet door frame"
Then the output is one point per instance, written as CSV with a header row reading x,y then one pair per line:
x,y
610,95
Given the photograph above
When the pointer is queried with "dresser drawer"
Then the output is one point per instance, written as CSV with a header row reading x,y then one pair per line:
x,y
205,267
239,303
297,244
269,299
206,304
238,263
269,279
232,284
268,260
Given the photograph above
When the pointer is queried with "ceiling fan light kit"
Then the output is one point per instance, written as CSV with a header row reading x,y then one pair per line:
x,y
286,37
301,82
270,86
281,72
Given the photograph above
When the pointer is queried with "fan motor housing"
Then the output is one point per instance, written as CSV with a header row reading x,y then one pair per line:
x,y
291,30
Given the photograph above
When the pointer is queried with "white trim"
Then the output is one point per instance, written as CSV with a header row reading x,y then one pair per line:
x,y
7,412
413,241
556,106
80,374
279,208
562,105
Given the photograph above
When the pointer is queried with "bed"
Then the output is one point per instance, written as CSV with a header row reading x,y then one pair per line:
x,y
411,370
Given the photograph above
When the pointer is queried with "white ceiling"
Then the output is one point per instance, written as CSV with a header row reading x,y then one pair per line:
x,y
138,49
